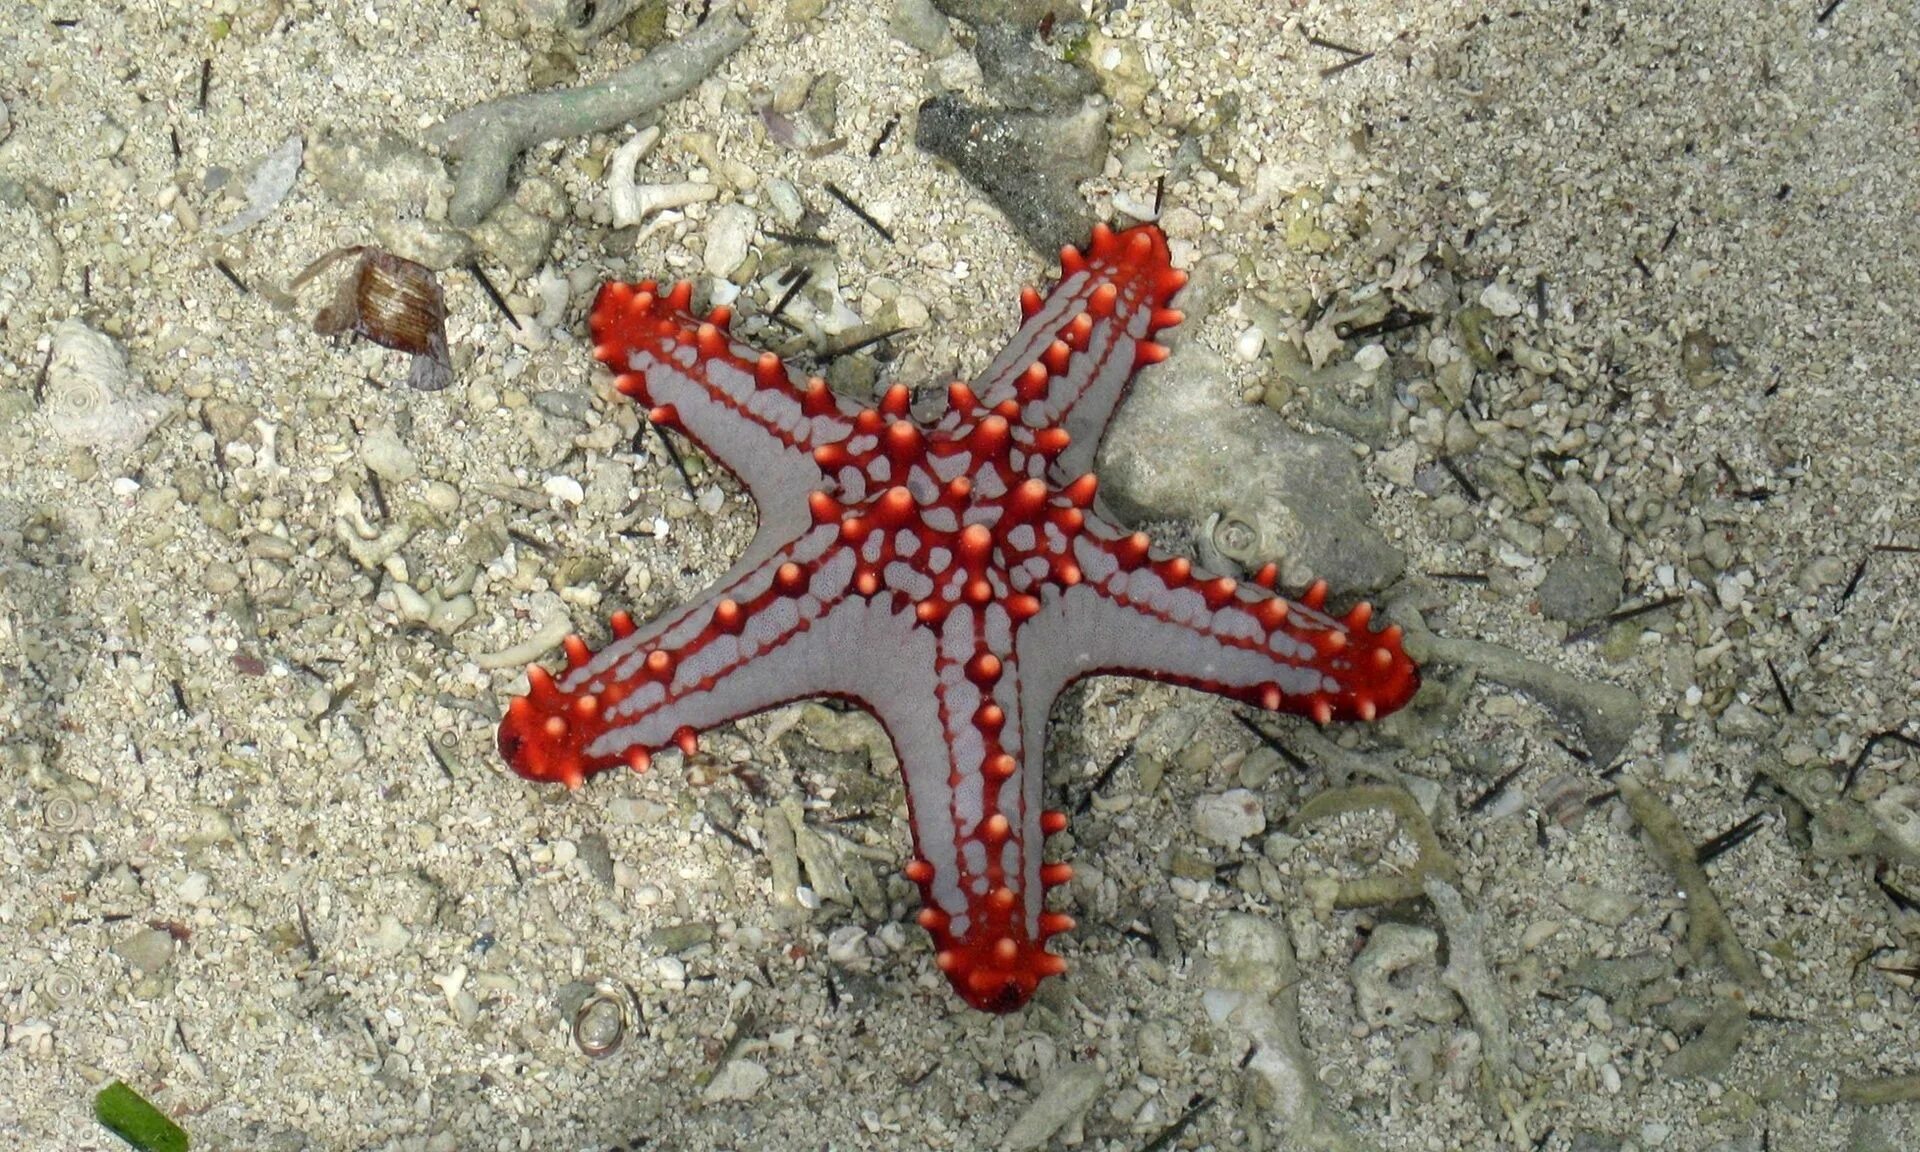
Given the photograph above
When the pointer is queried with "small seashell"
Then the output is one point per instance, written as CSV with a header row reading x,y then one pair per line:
x,y
92,400
600,1024
63,814
1564,799
62,988
393,302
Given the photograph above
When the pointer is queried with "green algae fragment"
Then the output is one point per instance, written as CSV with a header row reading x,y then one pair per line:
x,y
1871,1091
1432,860
1476,337
128,1115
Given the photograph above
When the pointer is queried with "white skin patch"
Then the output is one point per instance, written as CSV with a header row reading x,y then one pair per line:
x,y
922,486
904,578
1096,563
832,577
853,484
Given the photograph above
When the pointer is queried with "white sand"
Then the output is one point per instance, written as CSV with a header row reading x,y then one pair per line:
x,y
1759,166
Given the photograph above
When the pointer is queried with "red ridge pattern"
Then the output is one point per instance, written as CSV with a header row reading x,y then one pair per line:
x,y
953,579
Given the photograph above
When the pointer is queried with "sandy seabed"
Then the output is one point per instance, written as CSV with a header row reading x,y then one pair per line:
x,y
259,859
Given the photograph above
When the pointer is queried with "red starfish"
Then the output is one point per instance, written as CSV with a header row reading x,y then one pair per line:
x,y
950,579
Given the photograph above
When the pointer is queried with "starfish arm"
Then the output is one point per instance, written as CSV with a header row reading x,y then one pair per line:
x,y
974,792
743,407
1135,611
1076,351
763,636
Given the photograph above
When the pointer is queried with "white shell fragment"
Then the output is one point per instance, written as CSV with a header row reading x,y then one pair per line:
x,y
646,199
620,169
268,185
92,400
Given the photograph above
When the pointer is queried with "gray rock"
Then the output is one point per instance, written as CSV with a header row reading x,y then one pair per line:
x,y
921,25
1022,76
515,238
1064,1098
434,245
382,171
1029,164
1580,588
1181,447
596,856
1023,13
1616,977
1229,817
1381,999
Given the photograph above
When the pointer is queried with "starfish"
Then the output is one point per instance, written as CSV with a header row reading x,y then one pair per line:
x,y
952,578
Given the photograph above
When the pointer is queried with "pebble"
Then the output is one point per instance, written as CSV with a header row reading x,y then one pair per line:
x,y
148,949
565,489
391,935
1398,465
1743,720
1538,933
1229,817
785,200
442,497
1250,343
1502,300
671,971
739,1080
1579,588
847,945
1602,906
387,457
730,233
195,889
